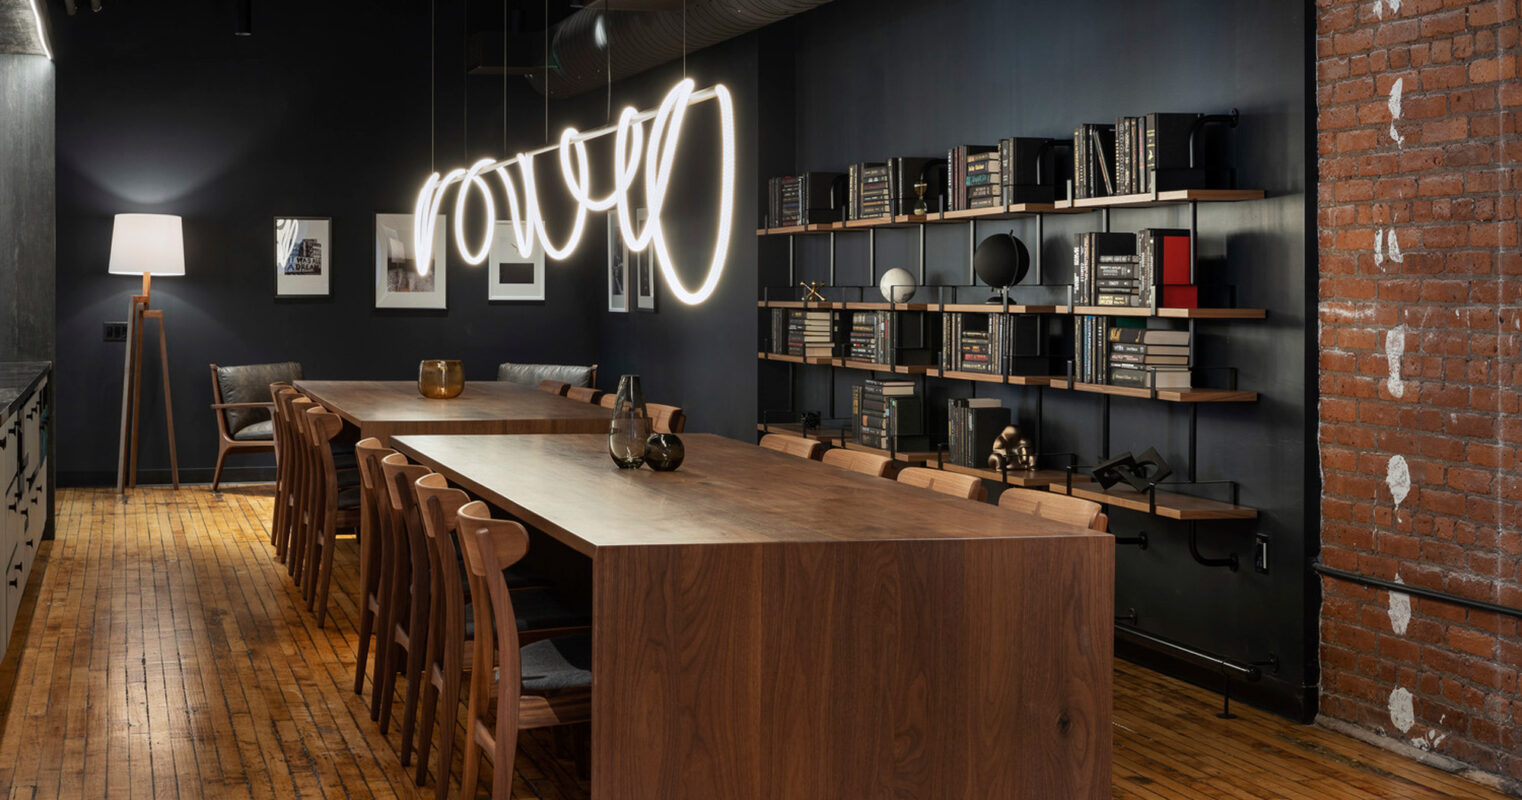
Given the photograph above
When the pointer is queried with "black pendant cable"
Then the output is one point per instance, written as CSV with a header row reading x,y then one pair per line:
x,y
433,55
546,70
684,39
465,82
504,78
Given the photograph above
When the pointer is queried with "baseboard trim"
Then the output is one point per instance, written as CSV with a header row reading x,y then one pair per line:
x,y
1447,764
156,477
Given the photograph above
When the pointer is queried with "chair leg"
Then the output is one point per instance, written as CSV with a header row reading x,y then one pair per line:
x,y
366,630
324,580
470,776
388,689
216,475
415,662
425,730
449,714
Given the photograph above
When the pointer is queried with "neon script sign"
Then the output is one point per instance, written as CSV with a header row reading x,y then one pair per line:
x,y
631,151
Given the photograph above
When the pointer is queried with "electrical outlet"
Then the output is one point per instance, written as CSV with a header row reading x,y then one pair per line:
x,y
1260,554
116,331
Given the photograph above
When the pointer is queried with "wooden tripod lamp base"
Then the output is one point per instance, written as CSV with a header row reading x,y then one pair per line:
x,y
147,245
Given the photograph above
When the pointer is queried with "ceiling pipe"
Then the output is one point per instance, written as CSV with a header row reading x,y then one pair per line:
x,y
579,60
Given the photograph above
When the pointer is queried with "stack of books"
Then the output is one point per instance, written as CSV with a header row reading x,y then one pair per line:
x,y
819,335
1091,336
1093,160
794,332
1104,270
994,344
878,336
985,180
870,193
889,416
972,425
778,342
802,199
956,173
867,335
1149,358
1021,164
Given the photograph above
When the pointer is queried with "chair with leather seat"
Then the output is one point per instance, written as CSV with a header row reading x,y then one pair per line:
x,y
538,613
374,564
405,631
792,445
666,419
533,374
546,683
336,507
240,396
1057,507
288,464
858,461
957,485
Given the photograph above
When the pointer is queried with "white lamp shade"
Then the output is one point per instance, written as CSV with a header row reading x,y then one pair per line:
x,y
147,243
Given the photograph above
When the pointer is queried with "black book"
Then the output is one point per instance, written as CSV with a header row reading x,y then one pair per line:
x,y
1167,153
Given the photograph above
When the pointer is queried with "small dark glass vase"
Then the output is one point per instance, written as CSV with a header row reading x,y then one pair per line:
x,y
664,452
630,426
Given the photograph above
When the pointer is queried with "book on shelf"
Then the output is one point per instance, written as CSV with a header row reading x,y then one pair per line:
x,y
903,173
1093,160
869,189
1163,265
888,415
993,343
972,425
1150,377
810,198
1112,255
1027,177
957,172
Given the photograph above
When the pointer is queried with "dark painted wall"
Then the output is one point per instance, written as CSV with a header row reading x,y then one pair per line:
x,y
877,79
323,112
26,208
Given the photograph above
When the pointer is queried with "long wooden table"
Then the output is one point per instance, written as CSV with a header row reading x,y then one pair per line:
x,y
388,408
771,627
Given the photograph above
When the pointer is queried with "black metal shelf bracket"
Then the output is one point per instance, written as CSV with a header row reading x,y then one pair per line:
x,y
1230,561
1140,540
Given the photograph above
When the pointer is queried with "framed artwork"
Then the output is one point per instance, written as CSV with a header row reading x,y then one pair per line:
x,y
303,256
644,269
618,268
511,275
398,284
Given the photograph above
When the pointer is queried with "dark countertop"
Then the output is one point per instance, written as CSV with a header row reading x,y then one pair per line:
x,y
17,379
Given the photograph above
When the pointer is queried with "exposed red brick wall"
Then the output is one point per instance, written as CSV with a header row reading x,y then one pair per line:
x,y
1440,177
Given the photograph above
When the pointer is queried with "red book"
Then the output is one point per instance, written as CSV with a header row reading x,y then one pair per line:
x,y
1176,262
1181,297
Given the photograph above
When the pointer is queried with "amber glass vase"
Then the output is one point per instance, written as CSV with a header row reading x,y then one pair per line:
x,y
440,379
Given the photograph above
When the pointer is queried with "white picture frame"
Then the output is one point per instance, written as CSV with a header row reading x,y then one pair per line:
x,y
510,275
645,273
303,256
397,284
618,269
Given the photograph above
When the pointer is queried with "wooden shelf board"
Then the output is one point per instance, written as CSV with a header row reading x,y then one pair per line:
x,y
1168,395
958,375
1169,504
1020,478
997,212
884,306
812,305
1029,380
992,308
1172,313
868,222
793,230
908,457
1160,199
780,357
828,435
916,219
901,369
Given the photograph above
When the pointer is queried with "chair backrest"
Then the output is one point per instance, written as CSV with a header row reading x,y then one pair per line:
x,y
858,461
666,419
438,506
280,414
792,445
492,545
533,374
608,400
400,476
1056,507
249,383
583,394
554,387
954,484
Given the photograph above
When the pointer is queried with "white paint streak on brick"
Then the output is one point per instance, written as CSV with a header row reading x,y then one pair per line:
x,y
1402,714
1395,92
1394,249
1398,478
1395,348
1400,610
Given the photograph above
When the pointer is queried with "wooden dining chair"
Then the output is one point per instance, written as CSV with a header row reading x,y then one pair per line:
x,y
532,374
792,445
285,465
858,461
373,598
608,400
666,419
539,614
409,610
337,508
547,683
304,492
584,394
554,387
1057,507
965,486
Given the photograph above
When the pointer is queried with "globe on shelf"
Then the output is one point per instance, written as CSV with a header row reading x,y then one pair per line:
x,y
1001,261
897,285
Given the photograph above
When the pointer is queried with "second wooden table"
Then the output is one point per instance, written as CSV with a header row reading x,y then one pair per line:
x,y
383,409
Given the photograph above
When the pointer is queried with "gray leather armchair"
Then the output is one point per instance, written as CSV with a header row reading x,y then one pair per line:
x,y
240,398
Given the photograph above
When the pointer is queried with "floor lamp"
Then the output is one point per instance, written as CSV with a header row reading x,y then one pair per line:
x,y
146,245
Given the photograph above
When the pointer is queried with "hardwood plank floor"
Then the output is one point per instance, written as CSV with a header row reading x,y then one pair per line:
x,y
163,652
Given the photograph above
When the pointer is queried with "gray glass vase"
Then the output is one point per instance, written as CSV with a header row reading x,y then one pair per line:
x,y
630,427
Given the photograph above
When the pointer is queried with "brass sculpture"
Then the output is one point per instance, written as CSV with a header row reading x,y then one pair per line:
x,y
1012,451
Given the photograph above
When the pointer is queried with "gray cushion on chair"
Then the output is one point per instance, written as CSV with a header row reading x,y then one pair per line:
x,y
564,662
257,431
251,384
532,374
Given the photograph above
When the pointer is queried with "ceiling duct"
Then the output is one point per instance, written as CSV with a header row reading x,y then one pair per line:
x,y
579,58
